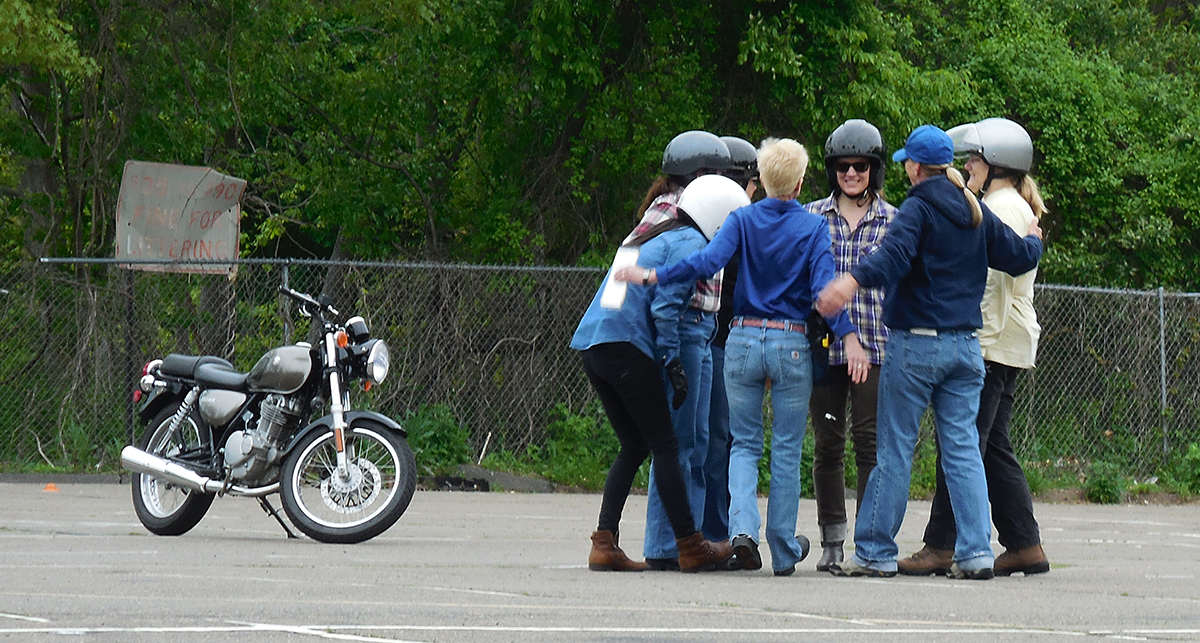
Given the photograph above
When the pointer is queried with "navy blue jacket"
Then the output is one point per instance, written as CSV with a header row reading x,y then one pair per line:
x,y
933,264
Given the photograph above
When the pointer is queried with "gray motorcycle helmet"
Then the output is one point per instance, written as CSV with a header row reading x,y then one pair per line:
x,y
743,160
999,141
692,151
855,137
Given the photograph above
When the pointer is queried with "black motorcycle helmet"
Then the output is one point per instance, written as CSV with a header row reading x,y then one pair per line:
x,y
743,160
855,137
693,151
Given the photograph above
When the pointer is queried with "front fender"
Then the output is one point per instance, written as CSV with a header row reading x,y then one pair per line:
x,y
353,418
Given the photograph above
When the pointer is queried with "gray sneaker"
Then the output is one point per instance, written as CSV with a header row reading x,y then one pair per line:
x,y
958,573
851,568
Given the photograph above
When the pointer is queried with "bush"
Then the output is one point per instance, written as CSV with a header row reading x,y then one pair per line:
x,y
438,441
1104,483
580,448
1181,474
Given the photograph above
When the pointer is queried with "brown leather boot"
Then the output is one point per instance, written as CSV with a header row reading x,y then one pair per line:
x,y
699,555
1030,560
927,561
606,556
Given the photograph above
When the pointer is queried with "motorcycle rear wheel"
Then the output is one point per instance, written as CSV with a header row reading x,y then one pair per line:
x,y
163,507
381,482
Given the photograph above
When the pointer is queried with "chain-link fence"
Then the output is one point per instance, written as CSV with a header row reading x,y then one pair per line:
x,y
1116,379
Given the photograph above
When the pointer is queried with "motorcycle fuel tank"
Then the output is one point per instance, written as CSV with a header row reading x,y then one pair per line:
x,y
281,370
217,407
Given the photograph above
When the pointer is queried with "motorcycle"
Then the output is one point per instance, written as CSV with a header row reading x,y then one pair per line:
x,y
211,430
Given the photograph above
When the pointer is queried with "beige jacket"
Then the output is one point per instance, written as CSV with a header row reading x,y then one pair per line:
x,y
1010,329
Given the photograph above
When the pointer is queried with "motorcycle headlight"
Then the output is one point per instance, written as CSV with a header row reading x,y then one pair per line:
x,y
378,361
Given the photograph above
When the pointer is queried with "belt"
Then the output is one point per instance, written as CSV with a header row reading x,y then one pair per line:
x,y
755,322
932,332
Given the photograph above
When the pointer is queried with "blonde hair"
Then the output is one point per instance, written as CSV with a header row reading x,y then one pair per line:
x,y
1028,190
957,179
781,166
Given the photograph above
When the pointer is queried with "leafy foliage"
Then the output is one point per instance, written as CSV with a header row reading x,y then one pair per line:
x,y
1182,473
438,441
578,452
1105,483
522,131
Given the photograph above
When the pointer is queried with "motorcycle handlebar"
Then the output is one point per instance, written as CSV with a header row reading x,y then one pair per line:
x,y
310,305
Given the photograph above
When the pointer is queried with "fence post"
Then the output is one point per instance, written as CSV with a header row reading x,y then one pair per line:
x,y
287,308
1162,368
130,347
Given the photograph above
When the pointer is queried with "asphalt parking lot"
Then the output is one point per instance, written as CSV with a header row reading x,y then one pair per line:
x,y
464,567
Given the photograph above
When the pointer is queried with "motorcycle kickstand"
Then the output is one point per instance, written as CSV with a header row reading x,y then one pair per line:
x,y
266,506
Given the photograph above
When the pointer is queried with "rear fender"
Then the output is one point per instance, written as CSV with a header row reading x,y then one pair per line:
x,y
159,397
353,418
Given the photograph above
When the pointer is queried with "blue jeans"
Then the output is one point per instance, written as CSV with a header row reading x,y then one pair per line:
x,y
918,370
696,330
753,356
716,466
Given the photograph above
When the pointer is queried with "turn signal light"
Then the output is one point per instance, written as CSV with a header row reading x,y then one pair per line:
x,y
342,339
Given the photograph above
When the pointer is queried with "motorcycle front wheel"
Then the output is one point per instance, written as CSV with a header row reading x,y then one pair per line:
x,y
379,483
163,507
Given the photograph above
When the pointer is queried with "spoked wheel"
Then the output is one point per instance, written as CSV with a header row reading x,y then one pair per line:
x,y
163,507
377,488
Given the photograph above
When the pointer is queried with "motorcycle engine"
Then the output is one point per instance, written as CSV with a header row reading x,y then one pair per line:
x,y
253,455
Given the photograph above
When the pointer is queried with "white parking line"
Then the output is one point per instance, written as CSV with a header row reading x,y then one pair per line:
x,y
470,591
341,632
18,617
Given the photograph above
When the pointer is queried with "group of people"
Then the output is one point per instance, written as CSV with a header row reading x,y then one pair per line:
x,y
930,303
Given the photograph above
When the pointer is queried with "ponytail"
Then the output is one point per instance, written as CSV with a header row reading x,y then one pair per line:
x,y
956,178
1028,190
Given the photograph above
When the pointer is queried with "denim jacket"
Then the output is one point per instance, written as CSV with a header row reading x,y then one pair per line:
x,y
649,318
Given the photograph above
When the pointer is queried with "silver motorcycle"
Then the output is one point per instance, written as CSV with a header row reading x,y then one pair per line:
x,y
286,427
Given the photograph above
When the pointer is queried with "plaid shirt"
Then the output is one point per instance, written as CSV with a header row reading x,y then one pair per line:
x,y
707,295
866,308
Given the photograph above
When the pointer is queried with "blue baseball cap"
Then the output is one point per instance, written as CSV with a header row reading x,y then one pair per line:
x,y
928,145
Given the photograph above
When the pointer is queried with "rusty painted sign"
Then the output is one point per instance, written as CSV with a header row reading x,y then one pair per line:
x,y
181,214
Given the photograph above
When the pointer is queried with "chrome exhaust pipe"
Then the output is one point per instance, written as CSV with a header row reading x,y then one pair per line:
x,y
138,461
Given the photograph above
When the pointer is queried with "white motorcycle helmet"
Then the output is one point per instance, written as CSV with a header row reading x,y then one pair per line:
x,y
709,199
1001,143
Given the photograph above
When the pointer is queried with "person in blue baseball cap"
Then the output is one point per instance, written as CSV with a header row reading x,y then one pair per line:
x,y
933,266
927,145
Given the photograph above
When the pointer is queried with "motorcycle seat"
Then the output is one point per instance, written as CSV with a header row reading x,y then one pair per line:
x,y
185,365
220,376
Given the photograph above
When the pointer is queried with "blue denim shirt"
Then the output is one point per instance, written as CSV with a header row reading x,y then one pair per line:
x,y
649,318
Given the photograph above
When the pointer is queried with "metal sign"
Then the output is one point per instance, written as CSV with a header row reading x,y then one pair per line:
x,y
180,214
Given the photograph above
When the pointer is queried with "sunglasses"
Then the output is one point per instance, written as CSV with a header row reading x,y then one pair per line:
x,y
859,166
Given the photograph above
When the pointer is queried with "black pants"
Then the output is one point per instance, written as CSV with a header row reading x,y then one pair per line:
x,y
828,410
1008,490
630,386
